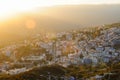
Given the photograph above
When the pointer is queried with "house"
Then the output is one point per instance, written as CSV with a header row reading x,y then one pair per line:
x,y
116,43
106,59
16,71
87,61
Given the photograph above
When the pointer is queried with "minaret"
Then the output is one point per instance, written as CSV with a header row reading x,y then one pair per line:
x,y
14,56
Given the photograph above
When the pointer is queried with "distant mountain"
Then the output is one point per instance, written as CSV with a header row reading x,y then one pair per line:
x,y
60,18
85,15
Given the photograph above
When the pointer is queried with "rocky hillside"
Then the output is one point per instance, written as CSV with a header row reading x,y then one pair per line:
x,y
88,53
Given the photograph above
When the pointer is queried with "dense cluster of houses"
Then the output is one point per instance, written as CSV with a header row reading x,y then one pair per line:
x,y
86,46
78,47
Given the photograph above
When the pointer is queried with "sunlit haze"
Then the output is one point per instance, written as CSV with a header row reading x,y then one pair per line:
x,y
59,39
8,8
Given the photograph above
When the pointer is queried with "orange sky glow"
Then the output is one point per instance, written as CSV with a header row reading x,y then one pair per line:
x,y
9,8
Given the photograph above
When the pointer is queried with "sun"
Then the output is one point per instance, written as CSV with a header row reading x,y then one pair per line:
x,y
9,8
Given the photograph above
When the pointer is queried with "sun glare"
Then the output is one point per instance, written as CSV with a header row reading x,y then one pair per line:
x,y
30,24
9,8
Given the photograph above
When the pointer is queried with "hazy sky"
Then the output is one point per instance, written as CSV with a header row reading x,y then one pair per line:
x,y
12,7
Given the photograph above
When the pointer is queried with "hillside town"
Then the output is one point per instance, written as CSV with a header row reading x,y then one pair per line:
x,y
89,46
